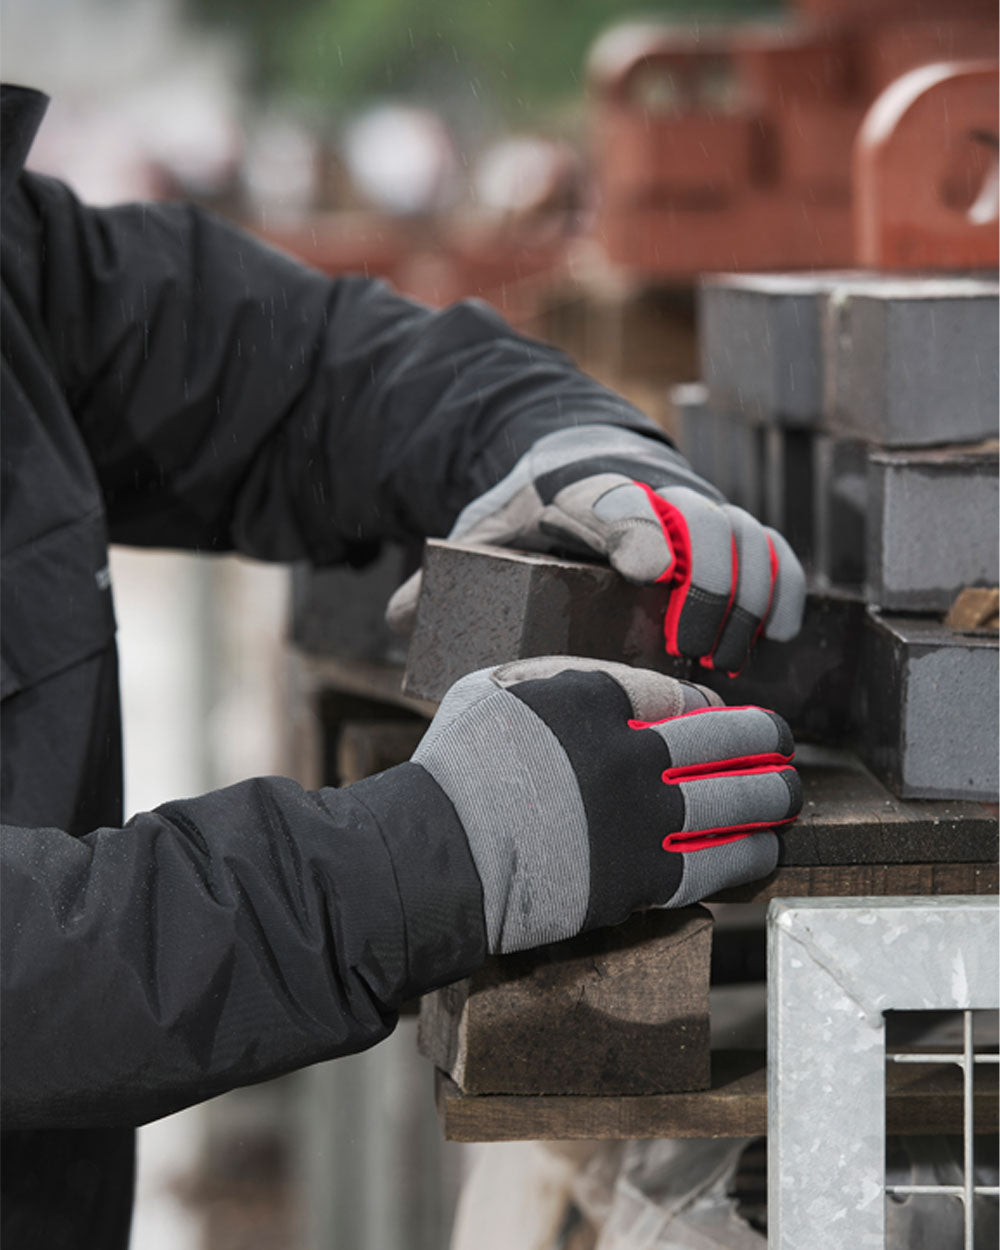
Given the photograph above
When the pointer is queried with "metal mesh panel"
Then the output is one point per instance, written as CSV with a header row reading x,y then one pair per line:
x,y
835,968
937,1046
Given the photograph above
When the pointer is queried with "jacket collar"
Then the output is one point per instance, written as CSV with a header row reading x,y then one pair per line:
x,y
21,113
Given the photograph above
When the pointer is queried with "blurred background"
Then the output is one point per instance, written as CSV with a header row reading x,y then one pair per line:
x,y
580,166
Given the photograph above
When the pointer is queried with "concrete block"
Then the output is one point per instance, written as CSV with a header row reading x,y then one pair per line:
x,y
926,708
740,459
932,525
912,361
788,486
755,471
341,611
760,344
808,681
872,356
724,448
695,427
618,1011
486,605
840,483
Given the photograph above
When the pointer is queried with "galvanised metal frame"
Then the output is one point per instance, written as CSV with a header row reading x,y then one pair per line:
x,y
834,967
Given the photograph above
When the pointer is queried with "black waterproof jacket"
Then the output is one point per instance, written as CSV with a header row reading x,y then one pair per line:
x,y
168,381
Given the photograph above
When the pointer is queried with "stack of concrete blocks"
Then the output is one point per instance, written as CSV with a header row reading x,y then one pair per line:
x,y
857,413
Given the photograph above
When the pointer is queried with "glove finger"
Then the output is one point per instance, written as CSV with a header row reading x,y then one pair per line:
x,y
735,803
703,575
757,570
734,737
725,864
784,619
401,610
652,696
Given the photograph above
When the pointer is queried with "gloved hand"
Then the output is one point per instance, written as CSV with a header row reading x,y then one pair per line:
x,y
588,789
607,490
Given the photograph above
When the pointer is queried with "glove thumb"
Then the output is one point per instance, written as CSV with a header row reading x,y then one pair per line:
x,y
401,610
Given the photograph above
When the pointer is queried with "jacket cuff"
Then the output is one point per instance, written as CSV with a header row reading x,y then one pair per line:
x,y
439,888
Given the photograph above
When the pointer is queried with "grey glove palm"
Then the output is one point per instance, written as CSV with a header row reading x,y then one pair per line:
x,y
606,490
588,789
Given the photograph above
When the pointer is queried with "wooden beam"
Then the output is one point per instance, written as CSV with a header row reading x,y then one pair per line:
x,y
918,1100
866,880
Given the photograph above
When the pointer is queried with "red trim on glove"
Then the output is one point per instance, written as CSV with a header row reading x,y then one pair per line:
x,y
706,661
775,565
701,839
698,711
698,841
675,531
768,762
736,766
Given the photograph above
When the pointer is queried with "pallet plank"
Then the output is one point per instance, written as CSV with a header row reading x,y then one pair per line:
x,y
918,1100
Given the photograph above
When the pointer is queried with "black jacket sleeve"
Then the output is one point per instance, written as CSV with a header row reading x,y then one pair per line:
x,y
232,398
222,940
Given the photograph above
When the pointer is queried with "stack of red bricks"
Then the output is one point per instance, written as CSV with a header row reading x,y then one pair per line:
x,y
730,147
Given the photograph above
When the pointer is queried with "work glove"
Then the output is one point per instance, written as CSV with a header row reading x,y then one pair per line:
x,y
609,491
589,789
